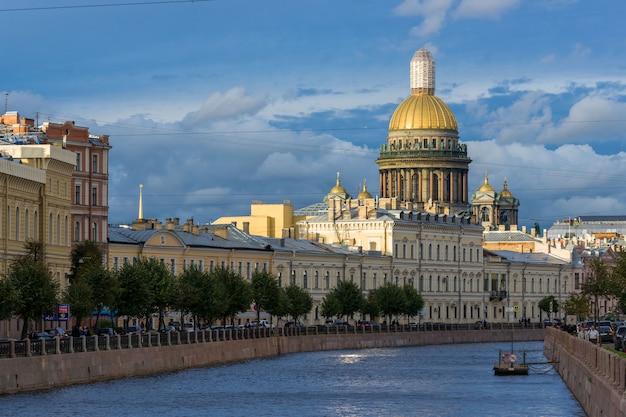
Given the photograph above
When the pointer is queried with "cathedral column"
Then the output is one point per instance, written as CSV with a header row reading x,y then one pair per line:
x,y
431,184
451,178
464,196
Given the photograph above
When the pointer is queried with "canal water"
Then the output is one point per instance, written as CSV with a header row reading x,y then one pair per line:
x,y
444,380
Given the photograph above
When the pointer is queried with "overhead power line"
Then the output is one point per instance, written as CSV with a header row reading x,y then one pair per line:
x,y
90,6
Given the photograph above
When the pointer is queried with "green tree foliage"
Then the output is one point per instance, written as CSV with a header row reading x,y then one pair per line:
x,y
370,306
414,301
234,294
348,296
281,309
135,297
83,257
300,301
549,304
196,294
80,298
146,287
331,306
37,290
9,297
265,291
104,287
598,285
391,300
577,305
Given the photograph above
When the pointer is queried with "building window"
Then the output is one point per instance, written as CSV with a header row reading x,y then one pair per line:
x,y
173,266
94,163
77,232
94,232
94,196
77,195
201,264
77,167
317,279
305,281
116,263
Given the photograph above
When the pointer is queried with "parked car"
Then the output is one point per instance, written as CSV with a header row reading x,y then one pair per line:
x,y
263,323
133,330
293,324
605,331
106,331
618,338
168,329
40,335
188,327
57,332
366,324
481,324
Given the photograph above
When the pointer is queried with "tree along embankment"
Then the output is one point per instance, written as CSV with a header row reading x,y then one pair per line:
x,y
31,373
594,374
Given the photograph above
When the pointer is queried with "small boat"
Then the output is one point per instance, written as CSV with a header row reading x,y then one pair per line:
x,y
510,364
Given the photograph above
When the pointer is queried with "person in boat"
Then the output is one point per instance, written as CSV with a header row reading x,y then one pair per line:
x,y
593,334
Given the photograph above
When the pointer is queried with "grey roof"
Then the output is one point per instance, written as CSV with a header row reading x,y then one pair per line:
x,y
316,209
526,257
588,225
236,238
508,236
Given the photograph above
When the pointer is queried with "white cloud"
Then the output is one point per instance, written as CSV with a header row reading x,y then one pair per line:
x,y
432,12
484,9
570,180
218,106
592,119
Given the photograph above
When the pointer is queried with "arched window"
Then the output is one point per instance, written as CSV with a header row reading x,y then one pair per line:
x,y
484,215
94,232
77,231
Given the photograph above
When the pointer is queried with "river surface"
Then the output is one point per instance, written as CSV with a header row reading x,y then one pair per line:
x,y
444,380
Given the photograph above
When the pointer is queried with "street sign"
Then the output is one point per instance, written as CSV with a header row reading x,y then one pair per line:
x,y
64,312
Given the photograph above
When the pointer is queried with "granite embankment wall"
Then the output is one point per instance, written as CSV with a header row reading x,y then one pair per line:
x,y
595,375
50,371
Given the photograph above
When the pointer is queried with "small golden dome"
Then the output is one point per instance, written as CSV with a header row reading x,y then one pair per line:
x,y
364,194
423,111
338,189
486,187
505,191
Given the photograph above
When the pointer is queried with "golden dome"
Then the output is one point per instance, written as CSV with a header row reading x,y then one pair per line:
x,y
486,187
505,191
422,111
364,194
338,189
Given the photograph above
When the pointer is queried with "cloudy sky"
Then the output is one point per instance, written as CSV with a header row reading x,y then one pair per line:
x,y
212,104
